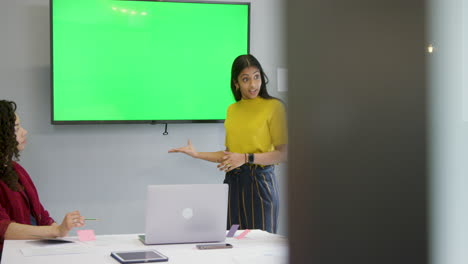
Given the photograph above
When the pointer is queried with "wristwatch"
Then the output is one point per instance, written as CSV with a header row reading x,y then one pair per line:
x,y
251,158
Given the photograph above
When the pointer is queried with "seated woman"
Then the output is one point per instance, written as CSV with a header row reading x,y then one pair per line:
x,y
22,215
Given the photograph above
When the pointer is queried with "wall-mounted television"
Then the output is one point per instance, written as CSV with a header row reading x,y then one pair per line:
x,y
121,61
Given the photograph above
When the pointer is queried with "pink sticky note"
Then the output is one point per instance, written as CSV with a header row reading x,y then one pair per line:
x,y
86,235
243,234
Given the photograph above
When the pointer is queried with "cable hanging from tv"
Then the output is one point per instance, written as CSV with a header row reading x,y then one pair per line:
x,y
165,133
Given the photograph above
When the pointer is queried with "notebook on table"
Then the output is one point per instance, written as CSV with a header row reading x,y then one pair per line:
x,y
189,213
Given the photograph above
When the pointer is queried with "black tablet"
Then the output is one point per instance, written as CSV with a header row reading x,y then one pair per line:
x,y
140,256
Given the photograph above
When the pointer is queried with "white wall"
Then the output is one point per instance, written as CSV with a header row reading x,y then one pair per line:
x,y
447,25
103,170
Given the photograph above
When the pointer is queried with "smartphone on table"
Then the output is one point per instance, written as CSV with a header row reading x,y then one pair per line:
x,y
214,246
138,256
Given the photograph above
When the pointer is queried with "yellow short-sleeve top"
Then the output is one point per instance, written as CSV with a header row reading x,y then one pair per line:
x,y
255,125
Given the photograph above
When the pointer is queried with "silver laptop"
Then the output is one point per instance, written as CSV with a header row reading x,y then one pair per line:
x,y
185,213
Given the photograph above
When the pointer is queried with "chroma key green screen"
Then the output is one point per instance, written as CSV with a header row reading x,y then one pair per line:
x,y
144,61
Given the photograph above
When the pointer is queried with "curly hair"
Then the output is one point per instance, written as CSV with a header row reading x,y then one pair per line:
x,y
8,145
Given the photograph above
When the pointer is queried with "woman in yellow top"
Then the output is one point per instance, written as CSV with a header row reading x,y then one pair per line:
x,y
256,139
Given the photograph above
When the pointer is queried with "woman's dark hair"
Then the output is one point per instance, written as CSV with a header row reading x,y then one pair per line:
x,y
8,145
239,64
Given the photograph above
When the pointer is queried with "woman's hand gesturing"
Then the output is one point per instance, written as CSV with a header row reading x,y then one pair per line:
x,y
189,150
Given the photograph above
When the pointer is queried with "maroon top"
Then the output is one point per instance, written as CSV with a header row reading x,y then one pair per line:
x,y
20,206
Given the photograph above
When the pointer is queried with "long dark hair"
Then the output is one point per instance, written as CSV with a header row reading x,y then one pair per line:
x,y
8,145
239,64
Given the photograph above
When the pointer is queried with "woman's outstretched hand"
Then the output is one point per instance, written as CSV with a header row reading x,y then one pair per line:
x,y
231,161
189,150
71,220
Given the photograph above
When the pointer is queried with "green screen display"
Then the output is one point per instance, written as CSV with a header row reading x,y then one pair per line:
x,y
143,61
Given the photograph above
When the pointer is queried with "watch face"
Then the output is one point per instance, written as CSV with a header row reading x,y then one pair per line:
x,y
251,158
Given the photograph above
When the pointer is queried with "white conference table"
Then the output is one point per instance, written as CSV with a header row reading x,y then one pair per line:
x,y
257,247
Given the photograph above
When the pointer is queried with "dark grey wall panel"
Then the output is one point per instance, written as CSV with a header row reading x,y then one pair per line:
x,y
357,113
